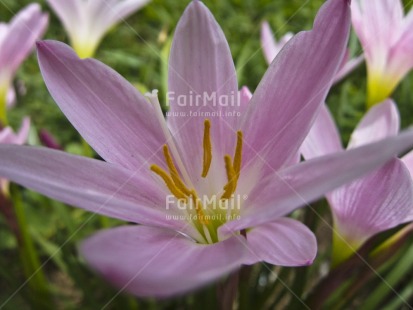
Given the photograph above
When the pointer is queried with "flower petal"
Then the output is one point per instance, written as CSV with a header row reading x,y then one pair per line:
x,y
119,10
378,24
11,97
245,96
87,183
110,114
323,138
400,60
149,261
381,121
284,242
69,13
7,136
201,65
108,13
348,67
301,184
288,97
20,37
408,161
376,202
268,44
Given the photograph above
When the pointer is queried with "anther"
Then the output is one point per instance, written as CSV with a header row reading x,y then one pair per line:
x,y
207,148
168,182
238,154
231,185
174,172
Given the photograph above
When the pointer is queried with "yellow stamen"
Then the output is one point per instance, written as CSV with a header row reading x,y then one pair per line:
x,y
168,182
198,208
231,186
207,148
238,154
174,172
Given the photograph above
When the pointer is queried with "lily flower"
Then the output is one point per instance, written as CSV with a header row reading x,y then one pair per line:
x,y
380,200
8,136
17,40
87,21
208,187
387,39
271,48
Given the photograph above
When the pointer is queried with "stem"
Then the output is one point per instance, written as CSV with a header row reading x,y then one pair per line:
x,y
244,287
397,273
3,106
354,266
39,290
227,291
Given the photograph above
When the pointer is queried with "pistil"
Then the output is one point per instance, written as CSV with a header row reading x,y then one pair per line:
x,y
176,185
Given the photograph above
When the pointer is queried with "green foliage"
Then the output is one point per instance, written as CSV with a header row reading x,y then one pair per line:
x,y
137,49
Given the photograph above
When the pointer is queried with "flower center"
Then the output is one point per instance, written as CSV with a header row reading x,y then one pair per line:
x,y
177,187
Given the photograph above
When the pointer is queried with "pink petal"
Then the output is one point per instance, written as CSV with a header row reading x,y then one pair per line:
x,y
23,31
11,97
408,161
118,10
400,58
245,96
284,242
87,183
378,25
268,44
69,13
201,64
23,133
7,136
381,121
348,67
288,97
110,114
301,184
323,138
376,202
149,261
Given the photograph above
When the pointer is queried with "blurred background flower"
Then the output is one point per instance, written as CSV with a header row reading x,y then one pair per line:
x,y
374,203
387,39
87,21
8,136
271,47
17,40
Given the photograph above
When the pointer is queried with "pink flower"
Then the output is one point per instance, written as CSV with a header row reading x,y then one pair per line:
x,y
208,187
17,40
8,136
387,39
376,202
271,48
87,21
